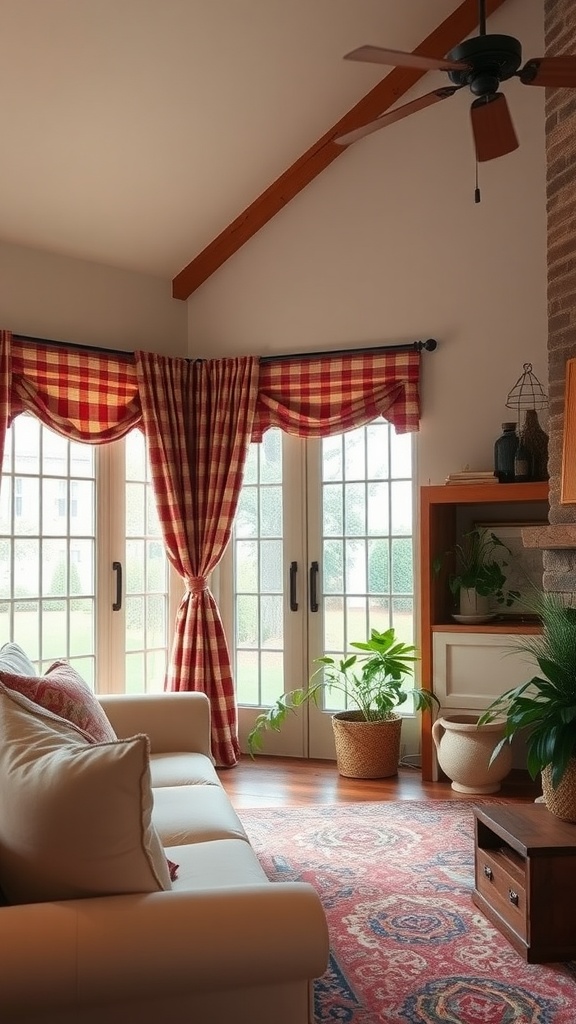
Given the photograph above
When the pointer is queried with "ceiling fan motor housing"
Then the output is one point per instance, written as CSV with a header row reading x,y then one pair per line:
x,y
490,59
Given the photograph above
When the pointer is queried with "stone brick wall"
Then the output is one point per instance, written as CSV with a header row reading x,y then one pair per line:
x,y
560,36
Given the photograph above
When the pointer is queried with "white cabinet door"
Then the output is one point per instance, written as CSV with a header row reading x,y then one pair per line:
x,y
472,669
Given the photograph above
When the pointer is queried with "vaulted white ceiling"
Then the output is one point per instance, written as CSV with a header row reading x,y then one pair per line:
x,y
134,131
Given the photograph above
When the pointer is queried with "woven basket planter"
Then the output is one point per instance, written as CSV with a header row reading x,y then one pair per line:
x,y
366,750
562,800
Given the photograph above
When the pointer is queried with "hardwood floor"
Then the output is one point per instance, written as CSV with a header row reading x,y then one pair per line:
x,y
287,781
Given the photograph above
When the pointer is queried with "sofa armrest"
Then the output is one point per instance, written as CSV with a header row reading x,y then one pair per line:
x,y
107,949
175,721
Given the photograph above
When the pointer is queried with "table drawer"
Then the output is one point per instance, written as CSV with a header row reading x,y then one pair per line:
x,y
501,881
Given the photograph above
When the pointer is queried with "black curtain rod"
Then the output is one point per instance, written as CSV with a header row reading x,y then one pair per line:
x,y
414,346
74,345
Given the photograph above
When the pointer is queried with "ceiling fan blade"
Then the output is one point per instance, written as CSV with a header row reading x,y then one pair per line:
x,y
397,58
492,127
396,115
556,72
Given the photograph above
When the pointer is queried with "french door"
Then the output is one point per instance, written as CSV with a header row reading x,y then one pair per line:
x,y
322,552
83,574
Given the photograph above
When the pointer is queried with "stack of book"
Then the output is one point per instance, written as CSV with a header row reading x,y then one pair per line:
x,y
470,476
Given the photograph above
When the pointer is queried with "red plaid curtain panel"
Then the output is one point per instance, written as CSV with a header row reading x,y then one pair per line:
x,y
331,394
198,419
86,398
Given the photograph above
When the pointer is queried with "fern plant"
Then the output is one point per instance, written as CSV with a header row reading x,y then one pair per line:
x,y
544,708
372,681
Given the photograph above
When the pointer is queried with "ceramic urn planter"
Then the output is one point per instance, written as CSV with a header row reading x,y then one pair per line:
x,y
464,750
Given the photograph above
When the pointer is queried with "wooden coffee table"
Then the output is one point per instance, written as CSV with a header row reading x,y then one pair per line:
x,y
525,878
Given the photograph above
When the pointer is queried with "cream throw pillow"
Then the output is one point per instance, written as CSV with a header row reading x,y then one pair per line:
x,y
75,816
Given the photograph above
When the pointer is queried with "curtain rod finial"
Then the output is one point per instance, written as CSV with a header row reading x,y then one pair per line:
x,y
428,345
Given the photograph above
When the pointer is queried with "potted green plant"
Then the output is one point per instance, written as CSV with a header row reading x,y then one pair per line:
x,y
479,578
543,709
367,737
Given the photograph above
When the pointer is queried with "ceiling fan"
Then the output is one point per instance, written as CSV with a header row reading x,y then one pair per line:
x,y
482,63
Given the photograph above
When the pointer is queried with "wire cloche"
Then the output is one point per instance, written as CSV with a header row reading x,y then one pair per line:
x,y
527,392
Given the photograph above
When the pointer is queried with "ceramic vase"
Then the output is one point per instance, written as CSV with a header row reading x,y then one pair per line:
x,y
473,603
464,749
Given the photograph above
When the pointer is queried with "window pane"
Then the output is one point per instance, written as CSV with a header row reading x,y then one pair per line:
x,y
271,567
271,621
270,457
26,627
401,455
332,458
333,510
377,451
26,568
54,507
135,509
135,566
378,517
156,622
379,567
54,454
26,434
247,566
402,508
355,510
333,567
26,505
354,455
271,512
402,568
134,623
135,456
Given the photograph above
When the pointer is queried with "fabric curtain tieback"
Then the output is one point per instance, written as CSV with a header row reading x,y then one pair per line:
x,y
197,584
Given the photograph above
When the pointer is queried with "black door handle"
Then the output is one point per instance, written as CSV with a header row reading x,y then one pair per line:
x,y
117,568
293,574
313,576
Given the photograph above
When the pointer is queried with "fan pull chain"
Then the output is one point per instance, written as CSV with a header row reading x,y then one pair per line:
x,y
477,189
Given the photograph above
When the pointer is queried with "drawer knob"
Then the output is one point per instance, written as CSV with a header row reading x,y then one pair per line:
x,y
488,872
513,897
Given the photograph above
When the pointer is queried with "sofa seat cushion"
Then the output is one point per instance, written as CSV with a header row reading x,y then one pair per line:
x,y
217,864
75,816
194,814
182,769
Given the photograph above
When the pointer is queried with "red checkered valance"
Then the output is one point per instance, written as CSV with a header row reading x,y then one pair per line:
x,y
330,394
87,398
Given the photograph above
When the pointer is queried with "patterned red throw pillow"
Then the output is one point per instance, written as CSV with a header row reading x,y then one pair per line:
x,y
63,692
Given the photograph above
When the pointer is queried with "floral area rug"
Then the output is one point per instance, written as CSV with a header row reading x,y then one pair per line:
x,y
407,943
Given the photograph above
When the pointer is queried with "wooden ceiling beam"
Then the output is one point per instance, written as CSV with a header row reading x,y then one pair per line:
x,y
448,34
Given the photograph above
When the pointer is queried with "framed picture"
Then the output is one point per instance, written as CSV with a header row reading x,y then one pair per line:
x,y
568,479
525,565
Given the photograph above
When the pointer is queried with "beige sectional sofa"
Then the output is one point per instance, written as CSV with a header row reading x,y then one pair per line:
x,y
222,944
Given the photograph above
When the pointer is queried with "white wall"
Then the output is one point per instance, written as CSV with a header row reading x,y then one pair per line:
x,y
387,245
55,297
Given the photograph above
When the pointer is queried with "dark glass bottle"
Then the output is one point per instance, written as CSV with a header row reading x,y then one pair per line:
x,y
522,463
504,453
536,441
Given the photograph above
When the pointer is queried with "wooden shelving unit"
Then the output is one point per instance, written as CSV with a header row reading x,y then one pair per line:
x,y
444,512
